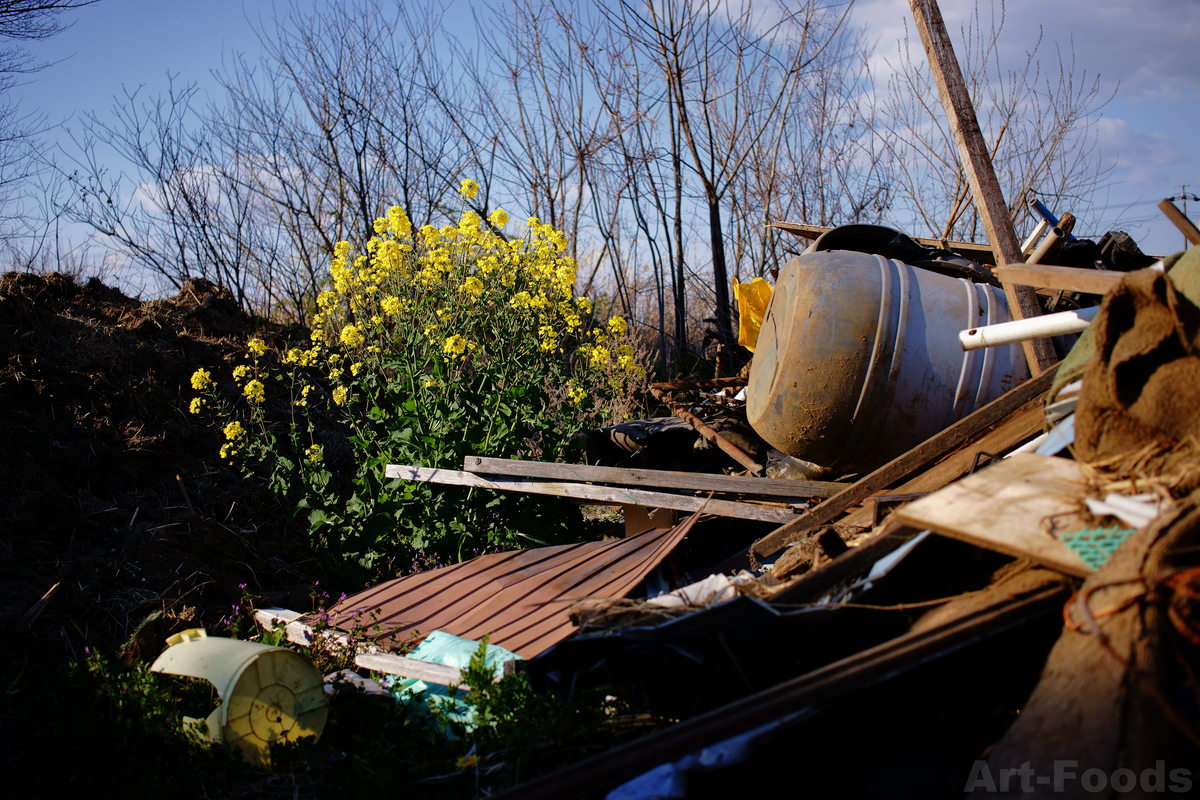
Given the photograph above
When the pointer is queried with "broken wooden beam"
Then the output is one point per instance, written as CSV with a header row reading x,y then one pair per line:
x,y
1185,225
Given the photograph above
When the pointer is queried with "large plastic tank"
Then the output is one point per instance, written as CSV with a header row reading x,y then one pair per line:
x,y
858,359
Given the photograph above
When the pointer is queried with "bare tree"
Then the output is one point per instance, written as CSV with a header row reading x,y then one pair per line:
x,y
25,180
1038,125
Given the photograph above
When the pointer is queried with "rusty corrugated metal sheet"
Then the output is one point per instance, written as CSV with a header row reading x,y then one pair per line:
x,y
520,599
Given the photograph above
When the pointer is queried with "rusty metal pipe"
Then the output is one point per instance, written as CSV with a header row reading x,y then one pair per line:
x,y
720,441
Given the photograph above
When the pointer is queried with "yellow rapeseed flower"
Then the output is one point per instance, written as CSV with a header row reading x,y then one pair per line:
x,y
618,326
455,345
201,379
197,404
499,218
255,392
234,430
340,394
391,306
352,336
472,286
257,346
240,372
315,454
468,189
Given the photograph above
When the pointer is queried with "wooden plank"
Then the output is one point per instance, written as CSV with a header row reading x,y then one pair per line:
x,y
979,253
300,632
1185,225
653,478
967,429
1008,508
296,630
611,495
391,664
976,163
1067,279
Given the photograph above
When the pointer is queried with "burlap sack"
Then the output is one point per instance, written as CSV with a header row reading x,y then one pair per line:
x,y
1142,385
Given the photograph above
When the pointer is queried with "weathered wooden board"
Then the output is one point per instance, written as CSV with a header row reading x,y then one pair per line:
x,y
391,664
1010,507
653,478
1067,279
300,632
612,495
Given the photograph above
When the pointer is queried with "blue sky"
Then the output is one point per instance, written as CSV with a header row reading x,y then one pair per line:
x,y
1148,133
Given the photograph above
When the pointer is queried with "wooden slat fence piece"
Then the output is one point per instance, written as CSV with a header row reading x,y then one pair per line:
x,y
297,630
919,458
1066,279
653,478
612,495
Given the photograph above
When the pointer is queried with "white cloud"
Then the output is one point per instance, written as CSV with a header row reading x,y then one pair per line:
x,y
1143,159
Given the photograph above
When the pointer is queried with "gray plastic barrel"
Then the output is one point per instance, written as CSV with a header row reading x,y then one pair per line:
x,y
858,359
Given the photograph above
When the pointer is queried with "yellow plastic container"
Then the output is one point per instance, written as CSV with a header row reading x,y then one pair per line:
x,y
269,694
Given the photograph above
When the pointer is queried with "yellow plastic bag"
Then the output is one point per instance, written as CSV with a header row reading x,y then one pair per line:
x,y
752,299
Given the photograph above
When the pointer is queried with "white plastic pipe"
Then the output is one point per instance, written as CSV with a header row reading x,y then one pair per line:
x,y
1020,330
1032,241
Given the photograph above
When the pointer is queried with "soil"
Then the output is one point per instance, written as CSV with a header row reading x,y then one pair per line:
x,y
115,509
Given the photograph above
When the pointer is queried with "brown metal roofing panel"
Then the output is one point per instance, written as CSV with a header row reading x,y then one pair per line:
x,y
520,599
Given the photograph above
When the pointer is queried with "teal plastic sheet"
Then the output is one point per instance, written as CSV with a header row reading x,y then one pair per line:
x,y
440,647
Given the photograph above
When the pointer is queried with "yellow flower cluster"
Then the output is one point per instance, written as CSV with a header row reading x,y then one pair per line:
x,y
255,391
201,379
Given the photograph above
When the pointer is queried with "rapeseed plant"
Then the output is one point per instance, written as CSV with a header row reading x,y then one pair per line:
x,y
433,345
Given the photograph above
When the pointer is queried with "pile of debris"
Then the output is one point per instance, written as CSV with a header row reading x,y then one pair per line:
x,y
1010,603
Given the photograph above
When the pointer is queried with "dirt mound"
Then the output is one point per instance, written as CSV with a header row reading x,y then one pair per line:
x,y
109,489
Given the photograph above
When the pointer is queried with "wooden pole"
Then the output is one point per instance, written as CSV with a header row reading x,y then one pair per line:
x,y
1185,225
977,165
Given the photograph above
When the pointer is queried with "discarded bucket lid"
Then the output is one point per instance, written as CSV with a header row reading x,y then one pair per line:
x,y
269,695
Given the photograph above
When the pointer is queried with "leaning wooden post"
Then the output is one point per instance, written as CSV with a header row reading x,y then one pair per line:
x,y
977,164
